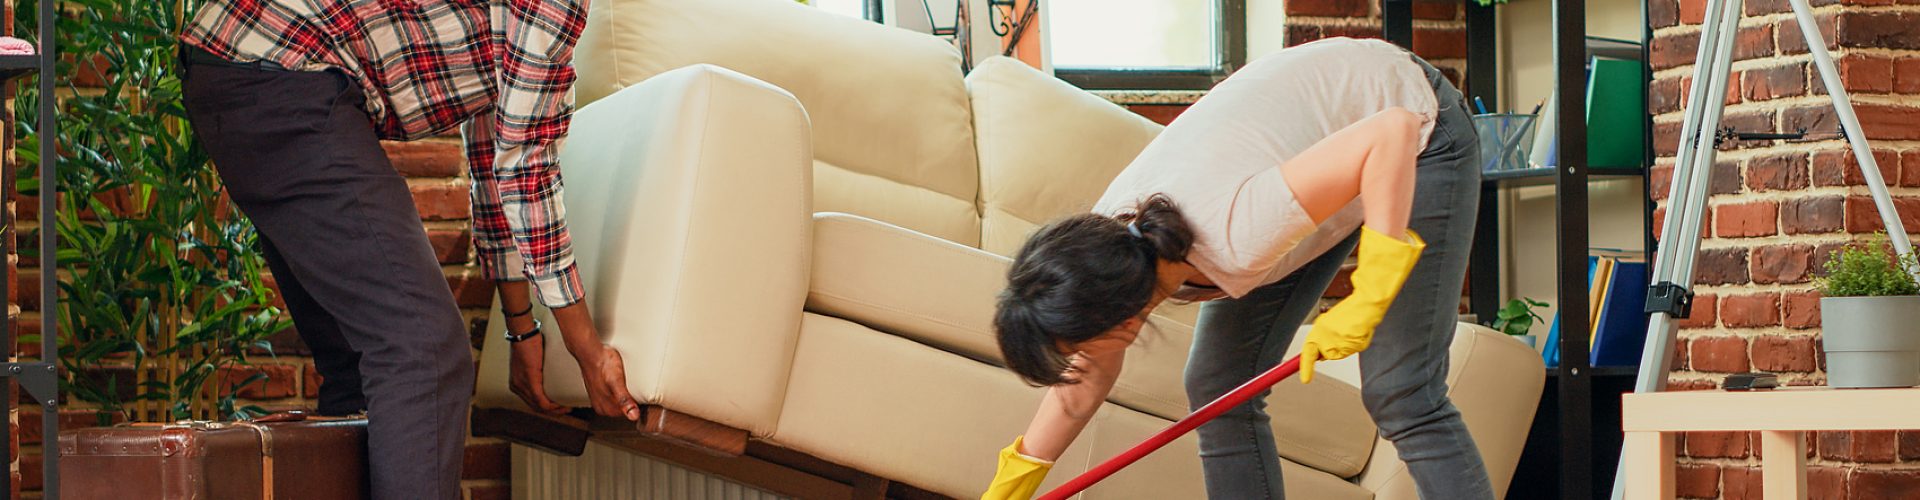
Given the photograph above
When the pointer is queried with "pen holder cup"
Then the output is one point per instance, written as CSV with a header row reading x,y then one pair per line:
x,y
1506,140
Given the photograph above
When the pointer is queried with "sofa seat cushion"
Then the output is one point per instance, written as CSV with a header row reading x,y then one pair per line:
x,y
916,414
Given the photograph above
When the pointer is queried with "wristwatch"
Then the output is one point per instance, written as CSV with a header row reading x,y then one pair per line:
x,y
514,338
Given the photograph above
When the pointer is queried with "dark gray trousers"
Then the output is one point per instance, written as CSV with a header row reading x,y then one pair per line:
x,y
338,226
1404,373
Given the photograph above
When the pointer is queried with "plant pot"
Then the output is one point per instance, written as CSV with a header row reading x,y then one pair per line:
x,y
1871,341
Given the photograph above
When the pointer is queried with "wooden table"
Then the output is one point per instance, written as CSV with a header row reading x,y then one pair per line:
x,y
1780,415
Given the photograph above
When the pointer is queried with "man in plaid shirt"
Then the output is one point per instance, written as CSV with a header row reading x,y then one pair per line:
x,y
290,99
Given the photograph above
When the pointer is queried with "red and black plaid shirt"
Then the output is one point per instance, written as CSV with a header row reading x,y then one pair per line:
x,y
503,68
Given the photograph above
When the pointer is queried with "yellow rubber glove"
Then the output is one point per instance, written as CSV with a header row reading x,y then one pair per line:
x,y
1347,327
1018,477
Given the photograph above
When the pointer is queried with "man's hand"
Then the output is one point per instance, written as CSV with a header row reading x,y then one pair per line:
x,y
528,375
606,379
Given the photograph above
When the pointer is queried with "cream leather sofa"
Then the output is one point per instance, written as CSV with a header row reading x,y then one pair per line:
x,y
794,224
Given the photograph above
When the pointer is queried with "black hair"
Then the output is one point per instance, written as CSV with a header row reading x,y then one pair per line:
x,y
1080,276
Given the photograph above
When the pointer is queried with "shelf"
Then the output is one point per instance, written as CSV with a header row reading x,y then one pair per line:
x,y
15,66
1545,176
1601,371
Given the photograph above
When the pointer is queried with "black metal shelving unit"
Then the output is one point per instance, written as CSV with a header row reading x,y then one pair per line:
x,y
1572,443
39,378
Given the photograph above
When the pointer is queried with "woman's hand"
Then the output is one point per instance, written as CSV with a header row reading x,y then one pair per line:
x,y
527,376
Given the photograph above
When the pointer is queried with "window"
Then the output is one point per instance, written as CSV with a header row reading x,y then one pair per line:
x,y
863,9
1146,44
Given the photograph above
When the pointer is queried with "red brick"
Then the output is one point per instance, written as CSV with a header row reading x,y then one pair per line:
x,y
1660,222
1666,137
1158,113
1781,172
32,471
1299,33
1718,355
489,492
1740,483
490,460
1665,95
426,158
1838,167
1693,11
1436,10
1762,121
1762,7
1801,310
1439,43
1740,311
1824,214
1864,217
1909,445
1774,82
1858,446
1878,29
1663,13
1717,444
1822,253
1328,8
29,424
441,200
1909,168
1772,353
1788,39
1884,484
1827,483
1725,178
1703,315
310,381
1864,73
1758,218
1660,182
450,245
1355,31
1721,266
278,384
471,290
1753,42
1906,75
1676,50
1697,480
1888,122
1782,263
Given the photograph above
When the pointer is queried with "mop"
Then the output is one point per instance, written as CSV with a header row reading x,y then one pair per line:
x,y
1199,417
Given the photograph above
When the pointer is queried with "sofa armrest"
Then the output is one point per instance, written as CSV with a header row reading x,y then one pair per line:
x,y
689,197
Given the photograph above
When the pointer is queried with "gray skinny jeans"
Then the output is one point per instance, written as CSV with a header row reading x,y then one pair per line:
x,y
1405,369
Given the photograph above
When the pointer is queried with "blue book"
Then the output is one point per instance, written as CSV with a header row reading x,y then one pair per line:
x,y
1621,332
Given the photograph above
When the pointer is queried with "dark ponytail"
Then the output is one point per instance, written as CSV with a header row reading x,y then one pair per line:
x,y
1080,276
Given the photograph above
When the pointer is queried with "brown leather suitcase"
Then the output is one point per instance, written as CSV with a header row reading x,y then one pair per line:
x,y
279,457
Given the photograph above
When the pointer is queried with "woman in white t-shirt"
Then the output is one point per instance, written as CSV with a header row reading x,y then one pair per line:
x,y
1255,196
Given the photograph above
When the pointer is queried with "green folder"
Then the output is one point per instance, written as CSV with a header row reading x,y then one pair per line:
x,y
1616,130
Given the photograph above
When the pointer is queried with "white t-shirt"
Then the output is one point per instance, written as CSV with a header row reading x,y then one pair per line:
x,y
1220,161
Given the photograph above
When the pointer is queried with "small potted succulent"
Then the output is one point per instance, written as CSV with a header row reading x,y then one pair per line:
x,y
1517,318
1870,317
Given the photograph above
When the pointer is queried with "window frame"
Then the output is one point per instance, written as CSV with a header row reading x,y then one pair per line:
x,y
1230,37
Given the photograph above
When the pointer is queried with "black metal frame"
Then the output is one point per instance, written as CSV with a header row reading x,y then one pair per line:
x,y
1230,34
40,379
1574,380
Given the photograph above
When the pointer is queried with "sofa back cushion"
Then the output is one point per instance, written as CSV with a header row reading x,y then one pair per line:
x,y
1047,149
893,136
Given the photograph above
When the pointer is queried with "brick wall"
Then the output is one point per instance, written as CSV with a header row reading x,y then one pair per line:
x,y
1776,209
436,173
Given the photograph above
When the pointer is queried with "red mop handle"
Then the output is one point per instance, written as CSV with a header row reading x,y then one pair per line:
x,y
1203,415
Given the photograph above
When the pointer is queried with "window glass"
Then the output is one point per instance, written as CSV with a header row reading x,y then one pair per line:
x,y
1133,33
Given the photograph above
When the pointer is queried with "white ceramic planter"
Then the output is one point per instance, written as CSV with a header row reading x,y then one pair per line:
x,y
1871,341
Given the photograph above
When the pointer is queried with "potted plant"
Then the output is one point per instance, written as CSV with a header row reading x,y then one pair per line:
x,y
1870,317
1518,318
